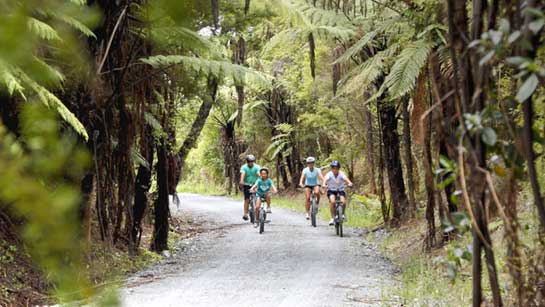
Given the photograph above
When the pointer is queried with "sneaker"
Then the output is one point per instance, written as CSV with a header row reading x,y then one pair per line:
x,y
269,209
307,216
331,222
245,217
256,225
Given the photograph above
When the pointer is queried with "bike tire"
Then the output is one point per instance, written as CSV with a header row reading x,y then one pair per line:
x,y
337,228
313,213
340,223
262,219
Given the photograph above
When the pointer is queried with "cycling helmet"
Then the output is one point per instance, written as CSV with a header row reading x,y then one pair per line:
x,y
311,160
250,158
335,163
264,169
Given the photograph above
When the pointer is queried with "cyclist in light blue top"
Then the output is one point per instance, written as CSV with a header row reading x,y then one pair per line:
x,y
309,181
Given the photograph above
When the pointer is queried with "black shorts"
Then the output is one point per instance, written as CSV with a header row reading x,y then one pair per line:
x,y
247,192
311,187
331,192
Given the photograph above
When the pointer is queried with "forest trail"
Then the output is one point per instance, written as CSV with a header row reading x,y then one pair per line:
x,y
291,264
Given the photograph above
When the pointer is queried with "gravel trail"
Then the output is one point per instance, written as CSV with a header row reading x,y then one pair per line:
x,y
291,264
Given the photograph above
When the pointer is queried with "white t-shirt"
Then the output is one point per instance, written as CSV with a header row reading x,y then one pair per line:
x,y
335,183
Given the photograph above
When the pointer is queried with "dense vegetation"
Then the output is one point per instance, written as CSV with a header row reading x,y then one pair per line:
x,y
433,107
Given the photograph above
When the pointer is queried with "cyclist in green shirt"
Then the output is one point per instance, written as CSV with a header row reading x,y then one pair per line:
x,y
249,173
263,188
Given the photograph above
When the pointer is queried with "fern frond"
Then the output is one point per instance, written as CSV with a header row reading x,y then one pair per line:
x,y
333,32
42,30
361,77
188,39
221,69
54,103
406,69
355,49
76,24
12,83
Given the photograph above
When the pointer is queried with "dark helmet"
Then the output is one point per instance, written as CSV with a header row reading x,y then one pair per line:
x,y
250,158
264,169
335,163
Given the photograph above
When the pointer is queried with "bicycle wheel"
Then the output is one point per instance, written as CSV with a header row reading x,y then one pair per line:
x,y
336,228
252,210
340,217
313,212
262,218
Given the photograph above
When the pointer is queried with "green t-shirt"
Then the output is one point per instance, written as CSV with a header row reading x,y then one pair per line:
x,y
263,187
251,174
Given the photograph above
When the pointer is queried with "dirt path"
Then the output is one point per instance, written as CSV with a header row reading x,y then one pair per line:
x,y
291,264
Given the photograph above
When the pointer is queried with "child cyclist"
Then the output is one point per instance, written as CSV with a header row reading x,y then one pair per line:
x,y
335,182
263,188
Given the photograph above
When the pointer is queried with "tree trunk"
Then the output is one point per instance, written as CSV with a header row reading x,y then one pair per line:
x,y
190,141
387,113
142,184
407,144
161,225
430,184
370,148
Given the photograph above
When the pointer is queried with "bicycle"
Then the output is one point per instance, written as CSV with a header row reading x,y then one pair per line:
x,y
313,208
251,209
339,214
262,215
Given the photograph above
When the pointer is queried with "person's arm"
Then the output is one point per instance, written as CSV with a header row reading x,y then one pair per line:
x,y
242,175
321,177
273,187
303,176
254,187
348,181
324,182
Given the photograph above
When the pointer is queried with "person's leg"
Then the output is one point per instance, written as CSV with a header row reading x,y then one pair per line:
x,y
343,202
332,205
257,207
268,199
246,191
307,199
317,193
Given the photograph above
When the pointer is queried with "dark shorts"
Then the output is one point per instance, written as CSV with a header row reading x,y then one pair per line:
x,y
331,192
311,186
246,190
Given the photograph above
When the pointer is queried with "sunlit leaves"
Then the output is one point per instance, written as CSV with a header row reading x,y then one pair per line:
x,y
528,88
408,65
221,69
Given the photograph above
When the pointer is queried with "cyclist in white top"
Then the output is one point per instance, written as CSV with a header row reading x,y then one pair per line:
x,y
335,182
309,181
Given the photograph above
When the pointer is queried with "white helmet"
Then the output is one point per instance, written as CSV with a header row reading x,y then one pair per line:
x,y
311,160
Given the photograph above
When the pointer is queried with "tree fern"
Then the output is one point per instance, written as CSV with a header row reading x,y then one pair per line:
x,y
221,69
362,76
356,48
407,67
53,102
43,30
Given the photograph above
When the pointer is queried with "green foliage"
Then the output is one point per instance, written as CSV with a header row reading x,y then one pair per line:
x,y
39,186
220,69
46,32
406,69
